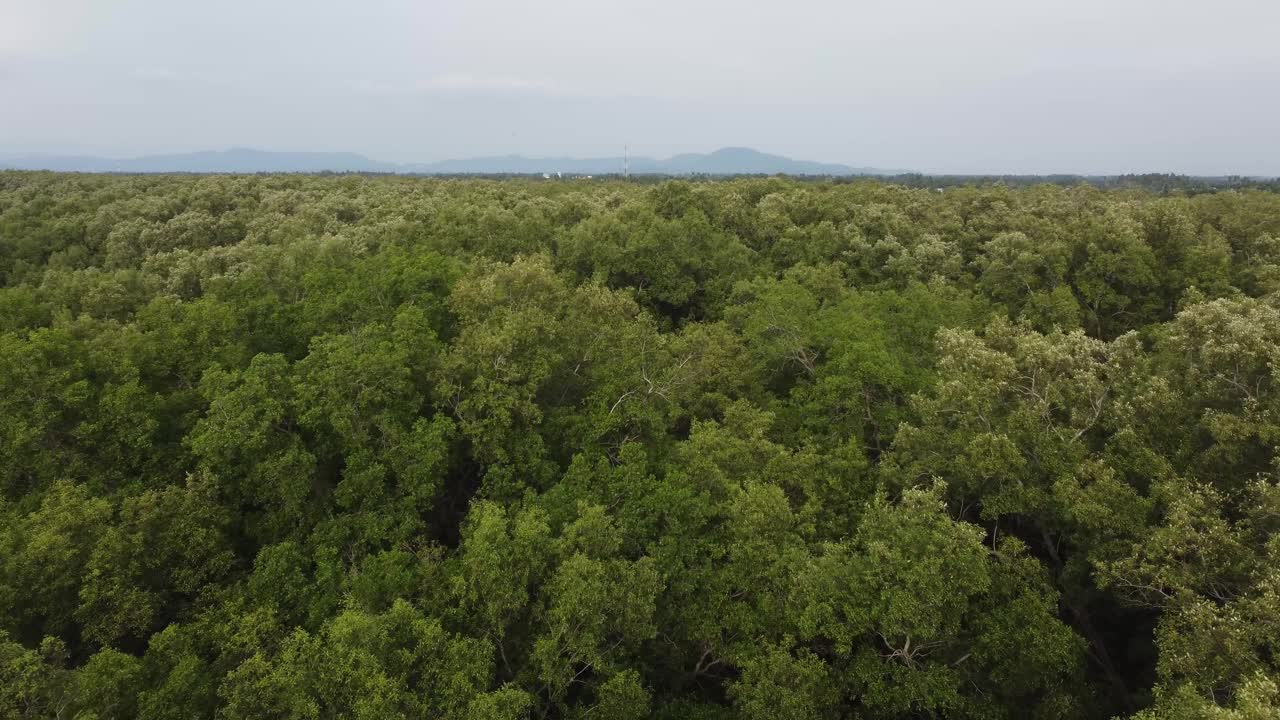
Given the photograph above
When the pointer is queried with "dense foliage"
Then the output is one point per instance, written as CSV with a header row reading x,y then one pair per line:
x,y
319,447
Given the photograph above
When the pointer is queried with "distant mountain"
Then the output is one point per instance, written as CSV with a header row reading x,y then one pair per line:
x,y
726,161
745,161
235,160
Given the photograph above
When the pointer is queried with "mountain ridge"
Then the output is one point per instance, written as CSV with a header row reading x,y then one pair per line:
x,y
724,161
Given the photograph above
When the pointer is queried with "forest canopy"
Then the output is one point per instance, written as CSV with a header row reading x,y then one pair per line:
x,y
386,447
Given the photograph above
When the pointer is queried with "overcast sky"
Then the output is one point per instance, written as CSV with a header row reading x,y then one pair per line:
x,y
934,85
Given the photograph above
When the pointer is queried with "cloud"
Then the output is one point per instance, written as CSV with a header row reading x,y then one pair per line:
x,y
1079,85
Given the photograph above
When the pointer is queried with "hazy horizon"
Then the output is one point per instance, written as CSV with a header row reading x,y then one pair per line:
x,y
1082,87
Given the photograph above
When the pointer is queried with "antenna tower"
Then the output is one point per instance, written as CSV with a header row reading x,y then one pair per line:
x,y
626,163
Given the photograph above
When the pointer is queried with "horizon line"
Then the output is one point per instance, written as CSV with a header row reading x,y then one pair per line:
x,y
883,171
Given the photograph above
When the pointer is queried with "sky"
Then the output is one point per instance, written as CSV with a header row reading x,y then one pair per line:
x,y
1024,86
